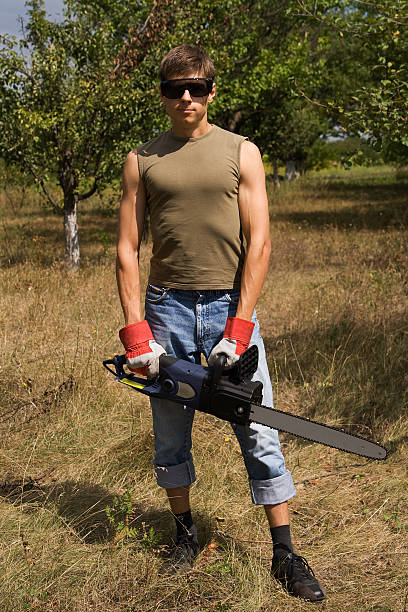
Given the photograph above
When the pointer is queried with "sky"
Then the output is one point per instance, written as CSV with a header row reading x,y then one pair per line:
x,y
10,10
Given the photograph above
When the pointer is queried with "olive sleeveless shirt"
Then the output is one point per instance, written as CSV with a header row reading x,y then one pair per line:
x,y
192,194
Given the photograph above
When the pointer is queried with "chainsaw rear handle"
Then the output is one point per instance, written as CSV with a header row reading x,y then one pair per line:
x,y
118,361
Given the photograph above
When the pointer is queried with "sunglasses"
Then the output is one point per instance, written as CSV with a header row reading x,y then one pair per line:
x,y
175,88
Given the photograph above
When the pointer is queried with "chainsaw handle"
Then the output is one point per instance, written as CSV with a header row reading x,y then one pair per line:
x,y
218,368
118,361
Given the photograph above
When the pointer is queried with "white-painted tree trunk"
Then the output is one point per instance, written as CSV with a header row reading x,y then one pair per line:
x,y
71,236
291,173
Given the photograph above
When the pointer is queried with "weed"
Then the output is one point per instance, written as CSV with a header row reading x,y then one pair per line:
x,y
150,539
121,515
221,567
37,598
395,522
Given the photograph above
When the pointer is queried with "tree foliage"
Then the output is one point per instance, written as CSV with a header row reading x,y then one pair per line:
x,y
368,66
382,105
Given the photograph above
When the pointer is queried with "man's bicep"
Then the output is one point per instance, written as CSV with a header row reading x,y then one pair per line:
x,y
252,196
133,203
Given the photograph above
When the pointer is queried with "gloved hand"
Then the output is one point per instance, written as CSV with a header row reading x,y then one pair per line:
x,y
142,351
236,338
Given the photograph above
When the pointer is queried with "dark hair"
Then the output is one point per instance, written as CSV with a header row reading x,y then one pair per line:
x,y
185,59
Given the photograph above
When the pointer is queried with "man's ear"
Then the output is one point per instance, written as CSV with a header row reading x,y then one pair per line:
x,y
211,95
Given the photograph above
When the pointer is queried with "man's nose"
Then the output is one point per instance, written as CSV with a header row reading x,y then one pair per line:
x,y
186,95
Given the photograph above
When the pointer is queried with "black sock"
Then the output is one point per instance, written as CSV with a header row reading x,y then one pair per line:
x,y
184,522
281,539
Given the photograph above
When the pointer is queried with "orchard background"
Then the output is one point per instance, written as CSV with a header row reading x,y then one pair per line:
x,y
321,87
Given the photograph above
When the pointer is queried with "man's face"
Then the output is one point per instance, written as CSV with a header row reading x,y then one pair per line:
x,y
188,109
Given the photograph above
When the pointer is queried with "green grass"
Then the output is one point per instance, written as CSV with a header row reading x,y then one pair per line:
x,y
334,319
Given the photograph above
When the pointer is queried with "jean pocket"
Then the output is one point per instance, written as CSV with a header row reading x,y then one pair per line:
x,y
155,294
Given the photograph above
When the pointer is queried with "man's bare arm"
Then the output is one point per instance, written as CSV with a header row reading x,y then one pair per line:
x,y
131,219
253,208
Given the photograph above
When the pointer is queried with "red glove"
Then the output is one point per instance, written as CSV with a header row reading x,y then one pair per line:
x,y
235,341
142,351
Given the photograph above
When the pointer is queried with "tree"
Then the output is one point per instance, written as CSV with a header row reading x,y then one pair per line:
x,y
67,107
368,68
280,118
381,107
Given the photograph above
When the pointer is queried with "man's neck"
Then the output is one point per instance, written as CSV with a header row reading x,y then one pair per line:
x,y
191,131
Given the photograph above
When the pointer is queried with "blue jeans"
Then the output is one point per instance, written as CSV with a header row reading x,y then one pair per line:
x,y
186,324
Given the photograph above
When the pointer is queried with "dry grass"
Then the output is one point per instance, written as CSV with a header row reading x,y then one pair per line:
x,y
334,318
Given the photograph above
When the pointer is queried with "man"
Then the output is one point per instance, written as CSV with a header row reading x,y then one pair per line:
x,y
205,191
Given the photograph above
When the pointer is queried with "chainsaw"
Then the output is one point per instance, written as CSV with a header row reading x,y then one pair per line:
x,y
231,395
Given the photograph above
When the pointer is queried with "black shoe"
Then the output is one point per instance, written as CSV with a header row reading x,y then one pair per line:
x,y
182,556
296,575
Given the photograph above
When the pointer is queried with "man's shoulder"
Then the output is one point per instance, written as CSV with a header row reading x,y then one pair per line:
x,y
231,135
152,146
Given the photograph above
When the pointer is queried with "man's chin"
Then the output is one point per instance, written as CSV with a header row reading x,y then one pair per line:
x,y
187,114
187,119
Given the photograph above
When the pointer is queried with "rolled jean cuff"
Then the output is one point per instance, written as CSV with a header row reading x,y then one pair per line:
x,y
272,491
181,475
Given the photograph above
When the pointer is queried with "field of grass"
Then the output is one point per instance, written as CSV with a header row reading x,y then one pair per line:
x,y
74,442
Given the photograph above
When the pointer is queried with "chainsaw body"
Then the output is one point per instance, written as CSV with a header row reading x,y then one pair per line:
x,y
226,394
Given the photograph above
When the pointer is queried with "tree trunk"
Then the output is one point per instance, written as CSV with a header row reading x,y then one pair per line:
x,y
68,181
235,121
71,232
276,182
291,173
